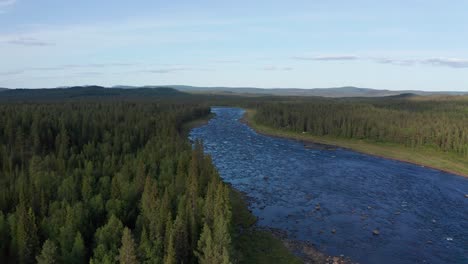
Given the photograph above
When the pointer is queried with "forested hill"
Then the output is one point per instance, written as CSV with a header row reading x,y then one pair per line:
x,y
178,90
86,92
348,91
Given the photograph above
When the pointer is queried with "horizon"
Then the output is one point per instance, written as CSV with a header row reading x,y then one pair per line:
x,y
267,44
175,86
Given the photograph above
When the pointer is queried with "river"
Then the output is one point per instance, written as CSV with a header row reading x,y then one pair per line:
x,y
335,199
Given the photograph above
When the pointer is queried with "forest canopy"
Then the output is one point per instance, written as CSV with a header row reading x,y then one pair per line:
x,y
108,182
433,122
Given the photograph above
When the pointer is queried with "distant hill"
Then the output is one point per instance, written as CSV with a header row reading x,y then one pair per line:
x,y
348,91
78,92
3,89
178,90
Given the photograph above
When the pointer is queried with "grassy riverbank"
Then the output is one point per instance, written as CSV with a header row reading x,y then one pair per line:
x,y
422,156
251,244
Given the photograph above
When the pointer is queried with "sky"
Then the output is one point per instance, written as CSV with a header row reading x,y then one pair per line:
x,y
396,45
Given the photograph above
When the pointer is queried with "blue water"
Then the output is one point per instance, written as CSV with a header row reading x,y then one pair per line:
x,y
421,213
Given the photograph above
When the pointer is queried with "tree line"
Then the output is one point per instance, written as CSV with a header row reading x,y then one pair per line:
x,y
108,182
438,123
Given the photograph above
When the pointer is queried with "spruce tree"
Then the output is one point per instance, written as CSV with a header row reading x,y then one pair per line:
x,y
127,252
48,253
78,251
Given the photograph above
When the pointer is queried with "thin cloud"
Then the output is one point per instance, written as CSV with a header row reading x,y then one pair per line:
x,y
395,61
276,68
443,62
448,62
327,58
29,42
97,65
44,69
4,3
90,73
14,72
225,61
67,67
171,70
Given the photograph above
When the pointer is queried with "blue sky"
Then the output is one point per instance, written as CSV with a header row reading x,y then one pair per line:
x,y
304,44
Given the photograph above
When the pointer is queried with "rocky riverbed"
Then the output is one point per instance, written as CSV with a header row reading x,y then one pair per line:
x,y
340,202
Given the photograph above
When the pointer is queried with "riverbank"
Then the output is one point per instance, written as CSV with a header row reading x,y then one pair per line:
x,y
265,245
446,162
186,127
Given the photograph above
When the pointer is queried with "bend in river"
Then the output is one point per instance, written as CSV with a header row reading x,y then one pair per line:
x,y
421,214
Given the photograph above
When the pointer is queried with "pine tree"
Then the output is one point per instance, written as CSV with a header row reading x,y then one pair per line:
x,y
78,251
48,253
146,251
170,256
149,200
4,241
205,251
127,252
180,236
26,235
107,241
215,241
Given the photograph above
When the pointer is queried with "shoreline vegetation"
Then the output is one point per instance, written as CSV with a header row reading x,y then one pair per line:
x,y
438,160
263,245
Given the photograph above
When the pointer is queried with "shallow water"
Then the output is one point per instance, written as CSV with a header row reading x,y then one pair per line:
x,y
421,213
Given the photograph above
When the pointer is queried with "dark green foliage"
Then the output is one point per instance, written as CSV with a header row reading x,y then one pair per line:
x,y
26,235
74,174
4,235
86,92
78,252
127,252
48,254
438,123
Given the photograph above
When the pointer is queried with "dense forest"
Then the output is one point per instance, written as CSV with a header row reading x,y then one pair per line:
x,y
97,175
436,122
108,182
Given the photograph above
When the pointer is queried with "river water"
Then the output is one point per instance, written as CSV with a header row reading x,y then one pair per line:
x,y
335,199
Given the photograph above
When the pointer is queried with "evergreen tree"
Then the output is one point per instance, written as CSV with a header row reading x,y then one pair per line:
x,y
127,252
206,251
26,235
107,240
78,252
48,253
4,234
